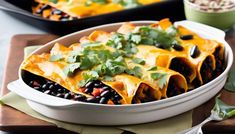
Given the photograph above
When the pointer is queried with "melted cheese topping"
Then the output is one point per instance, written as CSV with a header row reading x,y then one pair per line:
x,y
124,84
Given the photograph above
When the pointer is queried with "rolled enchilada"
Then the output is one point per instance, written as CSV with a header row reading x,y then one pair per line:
x,y
137,83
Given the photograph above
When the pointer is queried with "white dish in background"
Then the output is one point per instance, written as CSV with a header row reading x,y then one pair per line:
x,y
103,114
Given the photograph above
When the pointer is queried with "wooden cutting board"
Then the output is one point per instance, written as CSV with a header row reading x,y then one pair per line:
x,y
13,120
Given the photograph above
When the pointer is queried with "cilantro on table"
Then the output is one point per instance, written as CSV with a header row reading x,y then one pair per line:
x,y
230,84
161,77
222,110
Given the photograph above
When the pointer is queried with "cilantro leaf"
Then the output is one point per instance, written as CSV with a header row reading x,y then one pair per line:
x,y
73,57
88,62
54,1
222,110
88,76
115,67
70,69
136,71
153,68
161,77
157,37
127,3
57,57
89,2
108,78
139,61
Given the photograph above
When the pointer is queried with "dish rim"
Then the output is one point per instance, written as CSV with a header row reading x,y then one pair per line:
x,y
228,56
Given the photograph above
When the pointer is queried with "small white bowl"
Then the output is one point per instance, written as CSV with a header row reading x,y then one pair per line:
x,y
101,114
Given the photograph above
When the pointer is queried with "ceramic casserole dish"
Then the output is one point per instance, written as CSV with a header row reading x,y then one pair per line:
x,y
102,114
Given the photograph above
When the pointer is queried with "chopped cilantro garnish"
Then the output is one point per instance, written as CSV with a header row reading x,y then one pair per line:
x,y
153,68
53,1
73,57
124,42
88,76
70,69
57,57
89,2
139,61
157,37
108,78
136,71
127,3
161,77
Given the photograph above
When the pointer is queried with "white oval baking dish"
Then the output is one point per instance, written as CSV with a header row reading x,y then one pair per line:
x,y
101,114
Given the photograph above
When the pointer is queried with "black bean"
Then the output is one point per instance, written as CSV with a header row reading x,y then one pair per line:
x,y
60,90
177,47
67,96
105,94
37,88
53,93
79,97
64,19
57,12
60,95
97,85
88,90
51,87
66,90
194,51
117,97
106,88
44,86
92,100
47,92
103,100
49,82
98,97
186,37
159,45
56,85
89,84
31,83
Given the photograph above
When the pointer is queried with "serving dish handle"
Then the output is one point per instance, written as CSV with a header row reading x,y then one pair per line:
x,y
202,28
17,87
